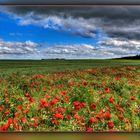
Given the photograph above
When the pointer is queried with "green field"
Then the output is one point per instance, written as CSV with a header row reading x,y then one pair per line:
x,y
47,66
70,95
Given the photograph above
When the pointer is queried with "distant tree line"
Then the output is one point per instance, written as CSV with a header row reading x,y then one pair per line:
x,y
131,57
55,59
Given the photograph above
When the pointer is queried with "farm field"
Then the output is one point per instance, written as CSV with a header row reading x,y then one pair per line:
x,y
70,95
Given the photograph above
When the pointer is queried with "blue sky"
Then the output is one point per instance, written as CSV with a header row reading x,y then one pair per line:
x,y
9,26
31,34
11,31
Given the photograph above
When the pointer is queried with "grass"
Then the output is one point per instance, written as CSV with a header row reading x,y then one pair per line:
x,y
70,95
49,66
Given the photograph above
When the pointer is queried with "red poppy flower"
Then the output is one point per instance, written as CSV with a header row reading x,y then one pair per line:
x,y
136,111
54,102
19,107
76,103
107,116
36,124
17,114
2,128
121,109
61,85
59,110
6,99
59,116
23,120
26,111
78,85
27,94
31,99
63,93
10,121
82,118
71,83
52,109
15,121
83,105
93,120
126,121
55,122
80,123
78,107
133,98
120,117
66,99
77,117
44,89
111,100
7,112
1,109
56,97
7,126
44,103
107,90
99,116
15,126
47,96
30,124
69,117
6,95
89,129
19,127
111,125
84,83
93,106
6,91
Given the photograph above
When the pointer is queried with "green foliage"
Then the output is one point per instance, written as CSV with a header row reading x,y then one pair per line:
x,y
69,95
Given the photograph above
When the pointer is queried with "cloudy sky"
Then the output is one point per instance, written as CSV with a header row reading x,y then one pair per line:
x,y
97,32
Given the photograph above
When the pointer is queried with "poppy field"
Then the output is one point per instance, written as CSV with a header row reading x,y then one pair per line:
x,y
93,99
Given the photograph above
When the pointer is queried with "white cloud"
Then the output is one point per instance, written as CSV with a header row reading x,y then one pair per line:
x,y
123,22
121,43
75,51
78,26
9,47
85,27
119,47
108,48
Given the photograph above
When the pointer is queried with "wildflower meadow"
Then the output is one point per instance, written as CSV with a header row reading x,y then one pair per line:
x,y
97,99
